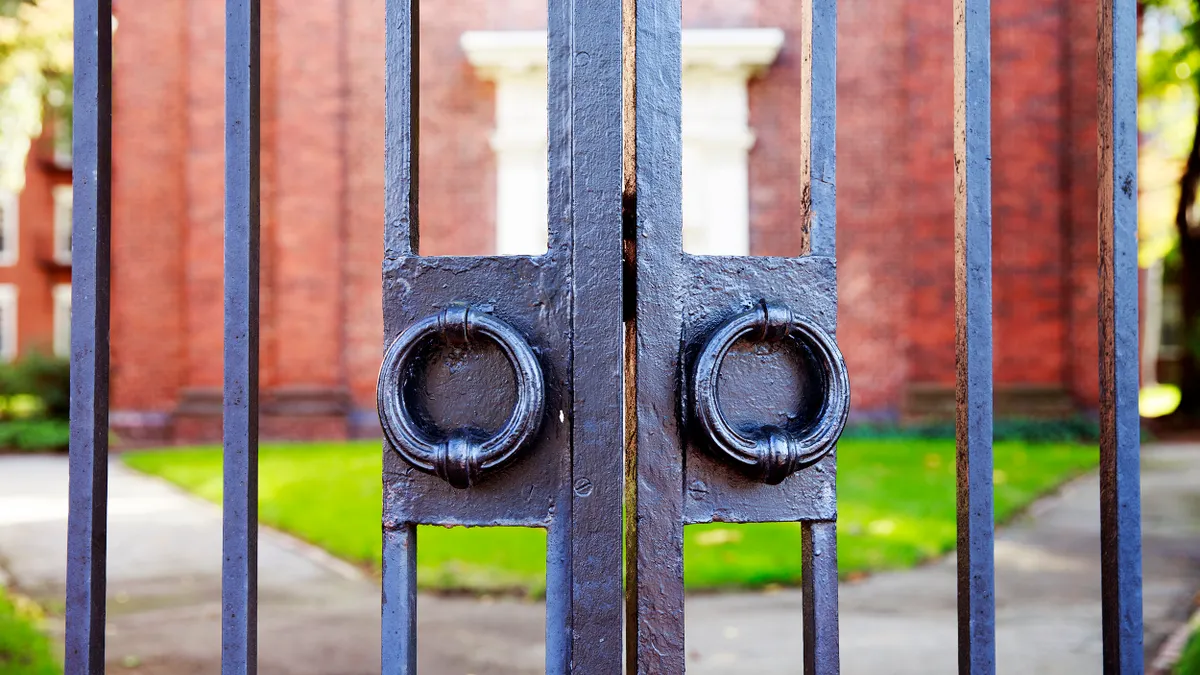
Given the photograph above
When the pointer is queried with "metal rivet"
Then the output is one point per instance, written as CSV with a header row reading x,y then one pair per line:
x,y
583,487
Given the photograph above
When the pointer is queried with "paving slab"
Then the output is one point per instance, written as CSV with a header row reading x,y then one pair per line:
x,y
320,616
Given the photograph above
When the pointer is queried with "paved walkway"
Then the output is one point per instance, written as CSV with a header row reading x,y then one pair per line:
x,y
321,617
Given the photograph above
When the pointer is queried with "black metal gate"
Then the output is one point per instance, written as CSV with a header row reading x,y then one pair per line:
x,y
612,344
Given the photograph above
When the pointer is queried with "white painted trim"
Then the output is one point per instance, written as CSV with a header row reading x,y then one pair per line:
x,y
498,53
62,319
10,221
516,62
8,322
717,65
64,197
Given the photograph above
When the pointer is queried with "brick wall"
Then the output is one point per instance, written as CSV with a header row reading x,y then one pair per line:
x,y
322,189
152,350
875,232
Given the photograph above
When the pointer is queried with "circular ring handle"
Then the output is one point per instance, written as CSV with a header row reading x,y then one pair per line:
x,y
769,453
460,459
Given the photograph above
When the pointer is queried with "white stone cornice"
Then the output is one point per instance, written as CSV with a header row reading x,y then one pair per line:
x,y
497,52
716,64
745,50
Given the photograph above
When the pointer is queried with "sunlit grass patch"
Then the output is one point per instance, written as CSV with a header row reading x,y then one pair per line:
x,y
896,508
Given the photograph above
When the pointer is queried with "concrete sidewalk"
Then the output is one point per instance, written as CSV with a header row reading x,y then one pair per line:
x,y
319,616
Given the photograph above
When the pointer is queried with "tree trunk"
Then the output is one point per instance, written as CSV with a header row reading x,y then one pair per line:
x,y
1189,248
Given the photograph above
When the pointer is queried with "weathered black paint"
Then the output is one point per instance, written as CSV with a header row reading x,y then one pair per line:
x,y
565,442
973,326
546,385
798,436
460,456
680,302
239,569
1120,439
90,287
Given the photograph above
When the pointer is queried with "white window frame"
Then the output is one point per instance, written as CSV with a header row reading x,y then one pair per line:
x,y
62,320
64,199
8,322
717,66
10,221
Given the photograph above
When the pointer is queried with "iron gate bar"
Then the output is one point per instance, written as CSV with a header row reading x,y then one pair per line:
x,y
596,247
679,301
1120,439
818,124
818,135
239,568
654,485
571,468
87,519
401,238
973,328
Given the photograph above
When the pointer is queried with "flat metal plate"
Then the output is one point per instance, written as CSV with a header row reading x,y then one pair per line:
x,y
717,288
527,293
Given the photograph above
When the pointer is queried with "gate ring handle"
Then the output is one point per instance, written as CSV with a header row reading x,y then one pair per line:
x,y
461,459
771,454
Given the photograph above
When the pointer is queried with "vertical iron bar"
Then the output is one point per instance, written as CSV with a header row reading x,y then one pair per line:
x,y
596,326
92,220
559,623
819,178
819,576
559,535
973,325
401,128
818,125
654,195
239,583
399,632
1120,492
401,236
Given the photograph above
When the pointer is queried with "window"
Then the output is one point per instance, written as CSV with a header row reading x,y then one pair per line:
x,y
62,320
64,196
717,65
8,322
516,62
9,227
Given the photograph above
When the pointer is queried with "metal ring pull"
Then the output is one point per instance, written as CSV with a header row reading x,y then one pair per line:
x,y
770,453
460,459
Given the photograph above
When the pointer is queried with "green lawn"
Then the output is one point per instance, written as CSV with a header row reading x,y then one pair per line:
x,y
896,509
1189,660
24,650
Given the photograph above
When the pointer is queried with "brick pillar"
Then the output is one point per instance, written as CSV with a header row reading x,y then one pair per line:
x,y
874,226
1082,338
364,233
198,415
150,124
1029,203
306,394
927,210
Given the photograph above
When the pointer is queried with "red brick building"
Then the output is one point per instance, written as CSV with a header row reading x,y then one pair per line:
x,y
35,252
322,189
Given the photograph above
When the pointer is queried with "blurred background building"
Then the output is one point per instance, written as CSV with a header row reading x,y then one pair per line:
x,y
483,185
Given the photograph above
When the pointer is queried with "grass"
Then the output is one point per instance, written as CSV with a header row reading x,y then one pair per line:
x,y
24,650
1189,660
896,509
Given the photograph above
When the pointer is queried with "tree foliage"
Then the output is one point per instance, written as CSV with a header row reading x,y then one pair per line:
x,y
36,59
1169,79
1170,46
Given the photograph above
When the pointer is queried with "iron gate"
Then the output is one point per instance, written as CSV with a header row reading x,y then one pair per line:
x,y
615,338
